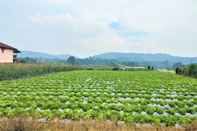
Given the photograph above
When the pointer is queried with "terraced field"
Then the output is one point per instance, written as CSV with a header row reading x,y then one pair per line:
x,y
132,97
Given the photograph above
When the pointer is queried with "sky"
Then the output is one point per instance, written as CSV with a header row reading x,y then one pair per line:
x,y
87,27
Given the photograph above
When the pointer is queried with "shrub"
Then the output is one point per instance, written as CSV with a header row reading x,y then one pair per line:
x,y
150,68
190,70
193,70
178,70
115,68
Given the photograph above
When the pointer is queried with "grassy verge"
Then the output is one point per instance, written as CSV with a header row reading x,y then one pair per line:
x,y
16,71
20,124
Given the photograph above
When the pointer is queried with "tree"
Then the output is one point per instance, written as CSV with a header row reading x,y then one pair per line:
x,y
71,60
193,70
149,67
178,70
177,65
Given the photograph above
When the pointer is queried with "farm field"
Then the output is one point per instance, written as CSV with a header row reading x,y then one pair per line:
x,y
131,97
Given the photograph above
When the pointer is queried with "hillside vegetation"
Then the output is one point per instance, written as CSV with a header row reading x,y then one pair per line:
x,y
108,59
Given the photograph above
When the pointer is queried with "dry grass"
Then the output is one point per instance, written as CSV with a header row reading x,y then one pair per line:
x,y
67,125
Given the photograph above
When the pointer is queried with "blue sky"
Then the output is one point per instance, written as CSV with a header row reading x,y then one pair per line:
x,y
88,27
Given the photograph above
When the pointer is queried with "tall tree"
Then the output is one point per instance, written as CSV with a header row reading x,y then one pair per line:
x,y
71,60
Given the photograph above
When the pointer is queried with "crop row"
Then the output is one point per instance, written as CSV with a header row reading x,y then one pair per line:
x,y
138,97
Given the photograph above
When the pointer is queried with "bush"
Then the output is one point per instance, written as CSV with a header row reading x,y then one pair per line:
x,y
178,70
115,68
193,70
150,68
190,70
90,68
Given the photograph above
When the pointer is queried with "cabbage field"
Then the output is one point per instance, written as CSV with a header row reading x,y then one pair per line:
x,y
132,97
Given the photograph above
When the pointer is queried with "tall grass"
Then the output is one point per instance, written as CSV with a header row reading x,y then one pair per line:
x,y
16,71
19,124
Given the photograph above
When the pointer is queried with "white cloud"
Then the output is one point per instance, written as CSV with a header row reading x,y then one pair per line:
x,y
57,2
52,19
170,24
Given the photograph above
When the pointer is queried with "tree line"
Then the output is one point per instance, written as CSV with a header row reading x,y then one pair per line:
x,y
189,70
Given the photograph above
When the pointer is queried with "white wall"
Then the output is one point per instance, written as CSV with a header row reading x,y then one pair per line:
x,y
6,56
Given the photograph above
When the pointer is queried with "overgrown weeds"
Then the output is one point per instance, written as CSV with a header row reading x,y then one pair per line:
x,y
20,124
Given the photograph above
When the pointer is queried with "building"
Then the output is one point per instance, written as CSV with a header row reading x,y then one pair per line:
x,y
123,67
8,54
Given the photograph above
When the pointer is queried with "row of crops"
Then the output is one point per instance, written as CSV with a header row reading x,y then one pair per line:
x,y
132,97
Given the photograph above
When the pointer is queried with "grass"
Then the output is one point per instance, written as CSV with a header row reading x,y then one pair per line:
x,y
16,71
29,124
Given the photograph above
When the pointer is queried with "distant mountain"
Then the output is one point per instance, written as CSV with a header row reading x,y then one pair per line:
x,y
130,59
40,55
140,57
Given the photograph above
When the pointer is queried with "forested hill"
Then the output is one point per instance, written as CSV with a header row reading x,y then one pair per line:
x,y
130,59
139,57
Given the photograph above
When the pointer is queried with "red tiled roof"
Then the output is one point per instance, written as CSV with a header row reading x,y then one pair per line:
x,y
5,46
